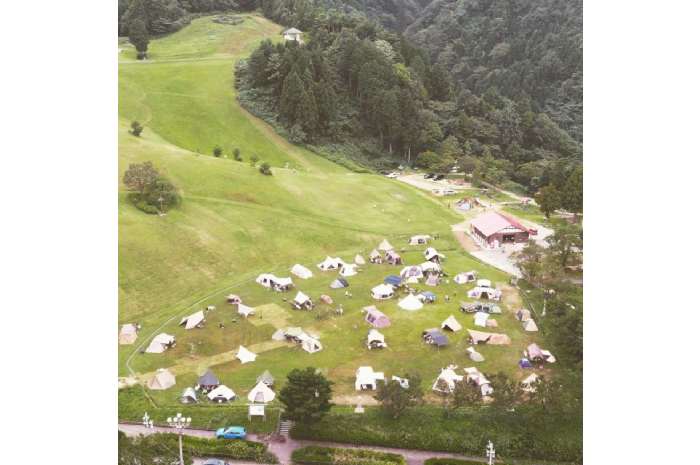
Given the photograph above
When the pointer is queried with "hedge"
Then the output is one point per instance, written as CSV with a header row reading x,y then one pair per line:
x,y
203,447
442,461
316,455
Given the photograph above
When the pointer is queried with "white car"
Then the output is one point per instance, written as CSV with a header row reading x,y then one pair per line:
x,y
393,175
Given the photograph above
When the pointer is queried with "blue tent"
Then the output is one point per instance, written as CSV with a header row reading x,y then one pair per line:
x,y
429,296
525,363
392,280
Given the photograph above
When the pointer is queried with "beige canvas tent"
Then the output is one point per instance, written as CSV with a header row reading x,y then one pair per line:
x,y
244,355
366,378
479,337
451,323
465,277
245,310
127,334
411,303
375,340
261,393
480,319
301,271
523,314
382,292
160,343
359,260
449,377
477,378
348,270
384,246
162,380
193,321
221,394
480,292
530,326
419,239
330,263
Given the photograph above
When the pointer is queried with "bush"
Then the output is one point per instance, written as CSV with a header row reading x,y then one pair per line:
x,y
239,450
136,128
316,455
237,154
143,205
218,151
265,169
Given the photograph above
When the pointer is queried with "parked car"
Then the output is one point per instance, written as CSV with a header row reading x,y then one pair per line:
x,y
393,175
231,432
439,177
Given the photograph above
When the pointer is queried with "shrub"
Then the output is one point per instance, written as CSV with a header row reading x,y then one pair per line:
x,y
265,169
239,450
218,151
237,154
254,159
316,455
136,128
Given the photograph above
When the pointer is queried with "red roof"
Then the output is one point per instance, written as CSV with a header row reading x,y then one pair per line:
x,y
492,222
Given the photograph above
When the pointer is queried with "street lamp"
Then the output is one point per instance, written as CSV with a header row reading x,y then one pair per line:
x,y
490,452
147,422
179,423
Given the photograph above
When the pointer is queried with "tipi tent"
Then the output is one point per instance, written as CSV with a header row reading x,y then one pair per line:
x,y
451,323
339,283
382,292
261,393
193,321
163,379
449,378
376,318
366,379
301,271
245,310
384,246
474,356
266,377
160,343
330,264
189,396
411,303
375,340
530,326
221,394
419,239
127,334
433,255
359,260
348,270
244,355
208,381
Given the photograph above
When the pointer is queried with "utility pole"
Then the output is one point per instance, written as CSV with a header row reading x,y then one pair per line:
x,y
179,423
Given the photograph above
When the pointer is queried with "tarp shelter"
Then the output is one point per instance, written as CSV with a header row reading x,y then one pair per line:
x,y
208,381
366,379
261,394
465,277
474,356
331,263
393,280
433,255
480,337
376,318
266,377
428,296
233,299
359,260
483,282
411,303
310,344
480,319
375,340
382,292
127,334
523,314
303,301
245,310
451,323
449,378
189,396
160,343
393,258
484,293
326,299
244,355
527,383
163,379
419,239
530,325
221,394
384,246
348,270
339,283
435,337
375,257
194,320
301,271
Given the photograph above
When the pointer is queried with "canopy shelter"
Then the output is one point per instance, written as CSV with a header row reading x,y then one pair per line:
x,y
523,314
530,326
366,379
375,257
261,394
465,277
189,396
419,239
484,293
160,343
435,337
384,246
162,380
208,381
348,270
382,292
245,310
375,340
266,377
411,303
376,318
331,263
233,299
393,280
393,258
474,356
221,394
451,324
432,255
302,302
326,299
445,382
359,260
428,297
413,271
301,271
196,320
244,355
480,337
127,334
475,377
529,383
310,344
339,283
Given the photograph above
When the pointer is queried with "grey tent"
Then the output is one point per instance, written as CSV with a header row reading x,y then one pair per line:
x,y
189,396
208,381
266,378
435,337
339,283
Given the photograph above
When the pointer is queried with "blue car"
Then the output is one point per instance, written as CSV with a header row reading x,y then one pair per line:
x,y
231,432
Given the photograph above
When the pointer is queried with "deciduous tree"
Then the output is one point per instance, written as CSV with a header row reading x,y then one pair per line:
x,y
306,396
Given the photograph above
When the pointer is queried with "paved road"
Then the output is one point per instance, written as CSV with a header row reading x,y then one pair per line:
x,y
283,450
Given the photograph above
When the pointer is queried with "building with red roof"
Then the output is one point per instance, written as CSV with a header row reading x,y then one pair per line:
x,y
494,228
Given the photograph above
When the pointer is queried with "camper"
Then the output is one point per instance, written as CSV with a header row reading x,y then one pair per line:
x,y
366,379
420,239
302,302
382,292
434,336
301,271
375,340
376,318
392,258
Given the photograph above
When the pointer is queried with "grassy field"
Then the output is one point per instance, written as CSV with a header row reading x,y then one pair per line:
x,y
235,223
